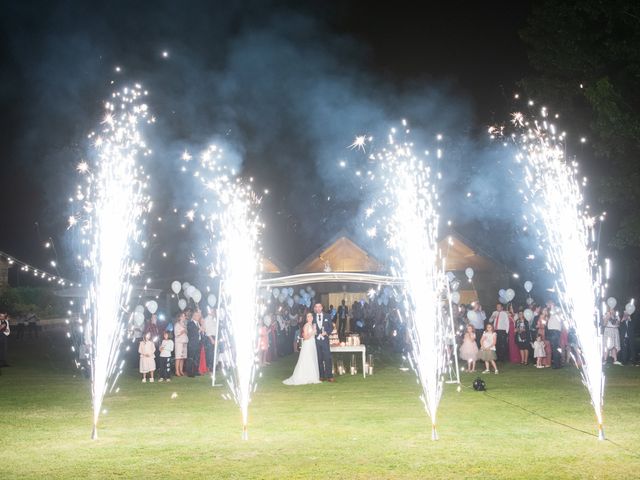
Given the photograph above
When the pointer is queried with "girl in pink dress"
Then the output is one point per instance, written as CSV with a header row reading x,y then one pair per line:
x,y
263,344
469,348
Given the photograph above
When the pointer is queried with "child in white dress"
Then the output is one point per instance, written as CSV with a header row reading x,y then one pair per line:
x,y
147,350
488,349
538,351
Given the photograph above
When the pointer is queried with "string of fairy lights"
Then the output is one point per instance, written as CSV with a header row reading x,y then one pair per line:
x,y
37,272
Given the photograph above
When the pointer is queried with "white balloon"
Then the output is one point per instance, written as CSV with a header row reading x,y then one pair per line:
x,y
182,304
309,289
290,290
503,300
529,301
472,316
290,302
266,320
138,318
469,273
502,293
450,276
175,286
189,291
152,306
612,302
275,292
212,300
528,314
185,285
196,295
139,308
528,286
455,285
510,294
455,297
282,297
630,308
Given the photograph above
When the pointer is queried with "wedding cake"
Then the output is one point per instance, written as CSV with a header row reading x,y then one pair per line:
x,y
334,339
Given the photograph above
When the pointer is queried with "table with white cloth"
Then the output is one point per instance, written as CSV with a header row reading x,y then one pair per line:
x,y
353,349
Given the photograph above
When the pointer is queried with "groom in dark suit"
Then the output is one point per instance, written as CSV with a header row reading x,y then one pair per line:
x,y
324,328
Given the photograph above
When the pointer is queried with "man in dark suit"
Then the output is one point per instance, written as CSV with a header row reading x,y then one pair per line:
x,y
193,346
324,328
627,340
343,312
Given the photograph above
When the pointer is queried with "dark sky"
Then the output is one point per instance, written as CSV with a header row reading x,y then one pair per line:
x,y
287,84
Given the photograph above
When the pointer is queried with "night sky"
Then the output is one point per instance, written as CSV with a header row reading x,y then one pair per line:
x,y
285,85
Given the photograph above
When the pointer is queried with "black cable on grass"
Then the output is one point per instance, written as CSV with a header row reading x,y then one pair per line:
x,y
622,447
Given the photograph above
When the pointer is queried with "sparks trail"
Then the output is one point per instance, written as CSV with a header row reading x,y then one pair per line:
x,y
112,203
566,233
229,214
406,212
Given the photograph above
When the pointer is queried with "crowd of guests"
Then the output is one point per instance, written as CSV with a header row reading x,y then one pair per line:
x,y
28,324
186,345
508,336
187,342
375,323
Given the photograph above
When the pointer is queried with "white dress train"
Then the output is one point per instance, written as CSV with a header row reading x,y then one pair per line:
x,y
306,370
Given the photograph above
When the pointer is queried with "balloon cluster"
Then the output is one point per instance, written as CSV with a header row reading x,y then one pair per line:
x,y
629,308
506,296
382,296
191,292
289,296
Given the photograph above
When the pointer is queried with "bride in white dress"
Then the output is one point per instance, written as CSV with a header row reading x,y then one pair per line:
x,y
306,370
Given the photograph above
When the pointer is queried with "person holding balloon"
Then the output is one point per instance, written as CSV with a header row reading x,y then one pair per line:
x,y
500,321
611,336
181,340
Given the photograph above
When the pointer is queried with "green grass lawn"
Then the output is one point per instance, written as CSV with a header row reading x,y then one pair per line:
x,y
529,424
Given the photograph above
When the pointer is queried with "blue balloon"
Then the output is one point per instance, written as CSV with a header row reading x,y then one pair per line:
x,y
360,324
169,327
